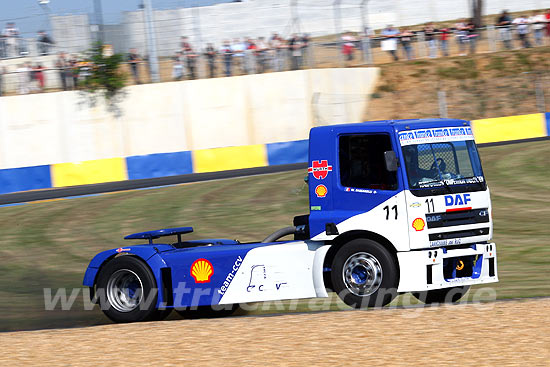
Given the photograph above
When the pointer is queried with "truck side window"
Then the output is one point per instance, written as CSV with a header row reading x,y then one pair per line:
x,y
362,162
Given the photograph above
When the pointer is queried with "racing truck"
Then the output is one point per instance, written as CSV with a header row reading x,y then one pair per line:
x,y
394,206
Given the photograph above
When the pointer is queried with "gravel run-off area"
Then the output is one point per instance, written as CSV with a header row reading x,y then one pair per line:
x,y
509,333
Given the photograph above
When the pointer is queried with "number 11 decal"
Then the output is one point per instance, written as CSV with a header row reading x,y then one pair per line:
x,y
387,209
428,202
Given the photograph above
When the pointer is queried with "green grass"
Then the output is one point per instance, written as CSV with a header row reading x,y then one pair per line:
x,y
49,244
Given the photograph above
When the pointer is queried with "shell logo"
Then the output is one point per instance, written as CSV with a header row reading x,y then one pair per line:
x,y
418,224
202,270
321,191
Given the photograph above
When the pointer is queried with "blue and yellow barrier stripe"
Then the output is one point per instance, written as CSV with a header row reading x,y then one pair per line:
x,y
228,158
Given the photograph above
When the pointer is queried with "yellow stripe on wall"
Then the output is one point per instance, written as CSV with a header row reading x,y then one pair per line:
x,y
88,172
221,159
509,128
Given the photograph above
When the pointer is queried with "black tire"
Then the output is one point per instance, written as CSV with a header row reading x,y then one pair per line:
x,y
363,258
445,295
127,291
205,312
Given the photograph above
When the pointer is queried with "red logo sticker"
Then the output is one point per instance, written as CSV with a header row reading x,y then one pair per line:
x,y
120,249
320,169
321,191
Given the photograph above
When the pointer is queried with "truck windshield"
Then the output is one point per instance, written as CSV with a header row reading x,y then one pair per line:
x,y
452,166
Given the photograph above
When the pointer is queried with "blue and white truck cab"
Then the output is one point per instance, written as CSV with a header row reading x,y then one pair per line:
x,y
395,206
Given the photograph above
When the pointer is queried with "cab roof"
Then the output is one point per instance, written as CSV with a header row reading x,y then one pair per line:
x,y
400,125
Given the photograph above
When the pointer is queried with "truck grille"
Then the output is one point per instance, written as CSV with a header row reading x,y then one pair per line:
x,y
438,220
459,234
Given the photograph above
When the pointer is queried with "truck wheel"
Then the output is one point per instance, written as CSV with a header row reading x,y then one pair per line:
x,y
127,291
364,274
445,295
204,312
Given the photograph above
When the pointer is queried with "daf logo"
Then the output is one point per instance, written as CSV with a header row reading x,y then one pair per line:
x,y
433,218
483,213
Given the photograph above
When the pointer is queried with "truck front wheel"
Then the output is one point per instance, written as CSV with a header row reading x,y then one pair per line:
x,y
445,295
364,274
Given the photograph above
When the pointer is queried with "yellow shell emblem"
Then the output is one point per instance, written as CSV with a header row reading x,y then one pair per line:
x,y
418,224
460,265
202,270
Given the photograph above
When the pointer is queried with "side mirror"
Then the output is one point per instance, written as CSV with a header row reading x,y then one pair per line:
x,y
391,161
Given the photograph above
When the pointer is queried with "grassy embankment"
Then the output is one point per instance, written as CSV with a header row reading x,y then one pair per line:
x,y
49,244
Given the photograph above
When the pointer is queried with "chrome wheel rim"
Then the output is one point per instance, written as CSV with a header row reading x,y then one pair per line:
x,y
362,274
124,290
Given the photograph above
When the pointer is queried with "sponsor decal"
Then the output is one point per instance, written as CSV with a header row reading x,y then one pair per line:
x,y
433,218
418,224
202,270
259,280
450,242
230,276
120,249
436,135
460,265
321,191
320,169
362,191
416,204
315,207
458,200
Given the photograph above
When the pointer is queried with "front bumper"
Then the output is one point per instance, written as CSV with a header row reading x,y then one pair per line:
x,y
436,268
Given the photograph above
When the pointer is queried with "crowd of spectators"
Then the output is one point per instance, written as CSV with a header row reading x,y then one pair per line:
x,y
259,55
525,30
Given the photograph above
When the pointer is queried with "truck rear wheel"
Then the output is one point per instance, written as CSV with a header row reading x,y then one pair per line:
x,y
127,291
445,295
364,274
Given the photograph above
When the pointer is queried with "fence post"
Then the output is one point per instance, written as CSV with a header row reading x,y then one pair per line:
x,y
367,51
539,92
491,36
421,42
442,101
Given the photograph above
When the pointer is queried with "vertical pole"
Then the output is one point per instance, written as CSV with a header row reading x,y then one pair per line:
x,y
338,29
491,35
366,44
442,99
99,20
152,42
539,92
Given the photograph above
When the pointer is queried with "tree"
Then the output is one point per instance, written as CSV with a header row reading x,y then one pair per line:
x,y
477,12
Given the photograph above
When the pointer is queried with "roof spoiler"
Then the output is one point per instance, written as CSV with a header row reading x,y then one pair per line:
x,y
151,235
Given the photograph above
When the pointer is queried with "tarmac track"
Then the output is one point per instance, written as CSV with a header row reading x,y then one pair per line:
x,y
511,333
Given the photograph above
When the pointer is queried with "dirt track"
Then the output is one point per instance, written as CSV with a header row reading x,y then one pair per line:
x,y
496,334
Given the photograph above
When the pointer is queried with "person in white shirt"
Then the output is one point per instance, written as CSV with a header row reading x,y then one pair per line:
x,y
11,33
538,23
522,29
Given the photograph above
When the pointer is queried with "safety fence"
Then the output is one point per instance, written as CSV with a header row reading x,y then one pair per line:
x,y
227,158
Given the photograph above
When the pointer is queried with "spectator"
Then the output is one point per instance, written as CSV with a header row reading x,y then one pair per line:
x,y
250,55
461,37
178,67
227,54
390,42
278,48
538,23
44,43
406,38
62,65
2,72
74,71
295,45
210,54
262,50
190,58
24,78
429,36
134,60
38,76
503,23
444,40
547,16
305,49
472,35
348,46
238,48
11,33
522,29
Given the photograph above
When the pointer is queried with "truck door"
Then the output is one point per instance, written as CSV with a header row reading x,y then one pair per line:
x,y
365,195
